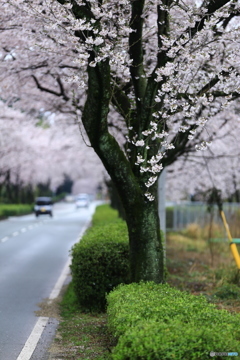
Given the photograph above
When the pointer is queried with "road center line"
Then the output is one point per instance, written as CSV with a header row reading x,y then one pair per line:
x,y
16,233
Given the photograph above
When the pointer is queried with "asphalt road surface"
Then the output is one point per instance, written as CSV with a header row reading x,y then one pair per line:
x,y
33,252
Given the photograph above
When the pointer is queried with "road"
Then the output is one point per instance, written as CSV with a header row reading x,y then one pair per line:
x,y
33,252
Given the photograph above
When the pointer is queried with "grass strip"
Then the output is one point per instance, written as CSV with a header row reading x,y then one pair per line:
x,y
80,335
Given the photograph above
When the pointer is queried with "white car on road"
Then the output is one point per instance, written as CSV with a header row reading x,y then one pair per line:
x,y
82,200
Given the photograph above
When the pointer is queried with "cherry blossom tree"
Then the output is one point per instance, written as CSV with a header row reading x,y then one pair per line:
x,y
157,70
217,167
33,151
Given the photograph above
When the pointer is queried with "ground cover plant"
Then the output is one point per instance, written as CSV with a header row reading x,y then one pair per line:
x,y
190,267
155,322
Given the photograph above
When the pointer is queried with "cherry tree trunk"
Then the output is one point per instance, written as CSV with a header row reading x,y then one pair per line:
x,y
146,252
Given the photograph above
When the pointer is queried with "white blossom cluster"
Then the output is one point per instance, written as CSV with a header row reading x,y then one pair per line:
x,y
106,31
203,145
149,196
155,167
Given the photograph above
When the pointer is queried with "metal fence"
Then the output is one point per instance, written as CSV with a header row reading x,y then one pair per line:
x,y
180,215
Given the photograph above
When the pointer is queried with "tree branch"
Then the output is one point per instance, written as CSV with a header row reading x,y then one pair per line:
x,y
121,101
44,63
42,88
163,29
94,118
211,8
208,86
136,50
13,27
79,11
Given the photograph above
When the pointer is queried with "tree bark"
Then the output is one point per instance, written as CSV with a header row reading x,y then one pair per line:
x,y
146,251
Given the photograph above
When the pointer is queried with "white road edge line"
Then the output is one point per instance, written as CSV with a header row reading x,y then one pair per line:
x,y
59,284
41,323
33,339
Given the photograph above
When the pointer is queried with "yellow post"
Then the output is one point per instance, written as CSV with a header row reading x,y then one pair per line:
x,y
232,245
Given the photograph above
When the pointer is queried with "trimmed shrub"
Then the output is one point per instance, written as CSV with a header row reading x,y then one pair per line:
x,y
100,262
104,215
153,340
14,210
153,321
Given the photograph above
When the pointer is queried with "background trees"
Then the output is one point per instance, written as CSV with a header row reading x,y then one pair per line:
x,y
40,150
150,72
218,166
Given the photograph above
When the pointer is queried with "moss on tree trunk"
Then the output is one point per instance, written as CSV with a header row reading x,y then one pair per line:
x,y
146,252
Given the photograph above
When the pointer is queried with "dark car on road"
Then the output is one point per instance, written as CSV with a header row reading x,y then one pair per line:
x,y
43,206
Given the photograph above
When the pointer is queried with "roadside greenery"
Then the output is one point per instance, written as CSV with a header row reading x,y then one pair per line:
x,y
100,261
83,332
151,322
81,335
14,210
104,214
7,210
155,322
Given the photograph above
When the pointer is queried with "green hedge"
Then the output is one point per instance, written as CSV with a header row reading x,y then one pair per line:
x,y
14,209
100,261
104,214
156,322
